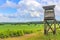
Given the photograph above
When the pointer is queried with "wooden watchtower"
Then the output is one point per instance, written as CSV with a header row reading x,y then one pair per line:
x,y
49,19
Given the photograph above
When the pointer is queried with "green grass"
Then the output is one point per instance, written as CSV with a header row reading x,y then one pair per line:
x,y
9,30
20,27
50,36
20,30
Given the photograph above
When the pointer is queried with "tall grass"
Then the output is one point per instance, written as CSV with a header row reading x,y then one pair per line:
x,y
18,30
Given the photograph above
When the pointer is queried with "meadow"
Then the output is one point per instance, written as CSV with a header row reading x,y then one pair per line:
x,y
33,31
8,30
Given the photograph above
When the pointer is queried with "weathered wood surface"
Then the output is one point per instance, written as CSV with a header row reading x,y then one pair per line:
x,y
49,15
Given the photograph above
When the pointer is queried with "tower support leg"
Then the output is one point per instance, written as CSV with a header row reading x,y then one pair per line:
x,y
47,27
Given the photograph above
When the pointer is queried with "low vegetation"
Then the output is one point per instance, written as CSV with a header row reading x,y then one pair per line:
x,y
9,30
18,30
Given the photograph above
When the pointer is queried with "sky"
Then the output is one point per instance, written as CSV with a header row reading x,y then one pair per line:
x,y
26,10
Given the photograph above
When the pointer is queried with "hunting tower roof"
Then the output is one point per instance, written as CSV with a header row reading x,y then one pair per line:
x,y
49,7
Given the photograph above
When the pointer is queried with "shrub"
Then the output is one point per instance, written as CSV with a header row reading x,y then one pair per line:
x,y
16,33
21,33
1,35
12,33
27,31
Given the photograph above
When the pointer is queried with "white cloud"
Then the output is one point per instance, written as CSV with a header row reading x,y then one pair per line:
x,y
9,4
33,14
3,18
9,18
31,7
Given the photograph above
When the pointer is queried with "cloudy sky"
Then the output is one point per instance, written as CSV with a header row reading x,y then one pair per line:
x,y
26,10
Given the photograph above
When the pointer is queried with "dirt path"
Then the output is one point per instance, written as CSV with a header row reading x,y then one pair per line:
x,y
22,37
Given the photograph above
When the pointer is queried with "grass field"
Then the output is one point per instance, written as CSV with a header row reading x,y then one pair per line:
x,y
9,30
20,27
26,32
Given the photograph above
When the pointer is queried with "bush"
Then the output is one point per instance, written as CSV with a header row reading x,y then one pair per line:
x,y
20,33
27,31
1,35
16,33
12,34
